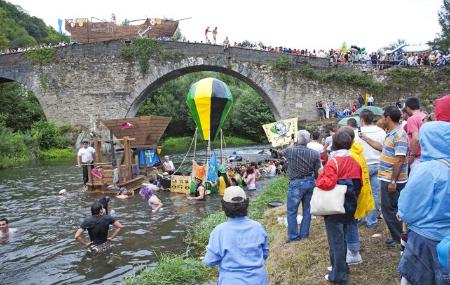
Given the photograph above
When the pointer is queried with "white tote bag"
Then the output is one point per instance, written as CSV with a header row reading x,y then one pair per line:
x,y
324,203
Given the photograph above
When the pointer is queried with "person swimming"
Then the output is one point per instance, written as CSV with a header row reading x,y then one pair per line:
x,y
148,193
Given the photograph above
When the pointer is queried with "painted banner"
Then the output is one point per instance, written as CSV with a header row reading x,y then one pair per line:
x,y
180,184
281,132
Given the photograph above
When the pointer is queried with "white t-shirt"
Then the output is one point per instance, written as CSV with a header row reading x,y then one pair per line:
x,y
377,134
315,146
370,99
87,154
168,165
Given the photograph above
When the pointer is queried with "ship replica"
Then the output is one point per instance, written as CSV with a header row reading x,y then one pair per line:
x,y
83,30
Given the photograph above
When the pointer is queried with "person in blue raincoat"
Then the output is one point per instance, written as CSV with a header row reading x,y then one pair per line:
x,y
424,205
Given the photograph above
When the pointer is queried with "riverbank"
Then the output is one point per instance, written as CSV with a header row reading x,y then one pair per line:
x,y
302,262
173,145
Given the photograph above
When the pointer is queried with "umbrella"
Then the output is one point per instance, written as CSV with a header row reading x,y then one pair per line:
x,y
209,101
343,122
375,110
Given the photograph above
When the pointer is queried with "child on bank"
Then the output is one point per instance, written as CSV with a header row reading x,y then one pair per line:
x,y
240,245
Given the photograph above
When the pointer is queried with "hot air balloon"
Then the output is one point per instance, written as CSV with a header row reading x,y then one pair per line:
x,y
209,101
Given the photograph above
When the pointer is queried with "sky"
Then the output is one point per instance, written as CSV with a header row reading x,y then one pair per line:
x,y
312,24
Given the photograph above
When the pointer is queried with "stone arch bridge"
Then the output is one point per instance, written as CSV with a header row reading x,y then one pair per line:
x,y
88,82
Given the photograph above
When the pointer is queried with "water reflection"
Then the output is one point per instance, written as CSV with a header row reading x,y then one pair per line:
x,y
43,251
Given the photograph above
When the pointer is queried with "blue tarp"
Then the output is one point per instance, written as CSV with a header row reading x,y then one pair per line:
x,y
148,156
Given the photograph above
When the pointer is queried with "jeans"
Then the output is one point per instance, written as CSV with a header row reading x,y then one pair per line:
x,y
300,190
336,233
86,169
419,263
352,237
389,208
371,218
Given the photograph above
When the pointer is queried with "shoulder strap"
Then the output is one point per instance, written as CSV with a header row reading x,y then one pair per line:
x,y
444,161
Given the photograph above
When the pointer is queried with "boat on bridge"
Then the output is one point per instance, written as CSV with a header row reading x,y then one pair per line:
x,y
83,30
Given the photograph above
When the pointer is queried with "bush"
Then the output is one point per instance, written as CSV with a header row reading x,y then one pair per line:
x,y
173,270
57,154
48,135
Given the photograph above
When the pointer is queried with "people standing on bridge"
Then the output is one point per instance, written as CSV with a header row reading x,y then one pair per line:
x,y
214,34
206,35
370,100
98,227
85,159
226,43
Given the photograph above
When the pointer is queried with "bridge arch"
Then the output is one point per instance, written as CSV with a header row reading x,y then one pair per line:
x,y
154,82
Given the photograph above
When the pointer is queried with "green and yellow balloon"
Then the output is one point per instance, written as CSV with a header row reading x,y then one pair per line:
x,y
209,101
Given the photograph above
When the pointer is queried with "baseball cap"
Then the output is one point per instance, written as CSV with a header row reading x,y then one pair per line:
x,y
234,194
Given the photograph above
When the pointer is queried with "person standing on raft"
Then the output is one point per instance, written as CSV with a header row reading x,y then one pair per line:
x,y
85,159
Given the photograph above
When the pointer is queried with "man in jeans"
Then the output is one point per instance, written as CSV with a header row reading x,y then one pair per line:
x,y
372,157
393,169
303,167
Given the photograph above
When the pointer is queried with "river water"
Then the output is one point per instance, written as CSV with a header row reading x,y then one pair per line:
x,y
43,250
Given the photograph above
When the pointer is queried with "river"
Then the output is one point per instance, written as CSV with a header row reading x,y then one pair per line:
x,y
43,250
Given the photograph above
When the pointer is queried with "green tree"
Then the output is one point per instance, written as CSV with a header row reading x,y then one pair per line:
x,y
249,113
442,41
19,107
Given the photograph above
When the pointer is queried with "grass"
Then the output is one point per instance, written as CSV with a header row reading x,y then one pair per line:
x,y
8,161
306,262
181,144
173,270
57,154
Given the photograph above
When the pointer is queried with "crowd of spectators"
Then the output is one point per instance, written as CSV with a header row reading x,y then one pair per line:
x,y
17,50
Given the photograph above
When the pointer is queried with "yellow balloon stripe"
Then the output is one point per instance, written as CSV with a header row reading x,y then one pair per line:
x,y
202,101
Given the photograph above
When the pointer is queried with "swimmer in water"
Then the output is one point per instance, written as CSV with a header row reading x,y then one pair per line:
x,y
200,191
148,193
98,227
5,230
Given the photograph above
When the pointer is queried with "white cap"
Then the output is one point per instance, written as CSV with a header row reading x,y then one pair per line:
x,y
234,194
63,192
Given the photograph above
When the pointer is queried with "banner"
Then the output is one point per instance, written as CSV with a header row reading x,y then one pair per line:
x,y
213,168
281,132
180,184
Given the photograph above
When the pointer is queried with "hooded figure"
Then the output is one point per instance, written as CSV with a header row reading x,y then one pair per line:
x,y
424,206
442,109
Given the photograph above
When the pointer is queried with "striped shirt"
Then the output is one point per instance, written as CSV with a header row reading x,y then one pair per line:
x,y
396,143
302,162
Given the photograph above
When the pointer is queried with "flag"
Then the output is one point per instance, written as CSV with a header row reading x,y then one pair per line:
x,y
213,168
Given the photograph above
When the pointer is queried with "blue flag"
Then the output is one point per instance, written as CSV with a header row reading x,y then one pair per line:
x,y
213,168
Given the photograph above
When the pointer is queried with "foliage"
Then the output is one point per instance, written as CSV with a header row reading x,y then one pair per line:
x,y
442,41
141,50
42,56
282,63
19,107
170,100
57,154
173,270
172,145
249,113
363,80
18,29
48,135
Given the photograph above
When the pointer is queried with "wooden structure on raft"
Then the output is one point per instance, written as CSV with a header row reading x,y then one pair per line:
x,y
136,133
84,31
126,177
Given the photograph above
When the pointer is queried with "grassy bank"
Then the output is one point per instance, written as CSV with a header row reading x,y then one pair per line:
x,y
57,154
181,144
198,237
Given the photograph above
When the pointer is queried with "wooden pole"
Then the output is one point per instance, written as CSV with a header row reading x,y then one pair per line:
x,y
221,146
127,160
113,150
98,150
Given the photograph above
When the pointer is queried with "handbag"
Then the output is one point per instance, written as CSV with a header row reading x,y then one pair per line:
x,y
324,203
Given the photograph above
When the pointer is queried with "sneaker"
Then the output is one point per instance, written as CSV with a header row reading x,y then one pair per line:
x,y
292,240
327,278
391,243
329,268
353,259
